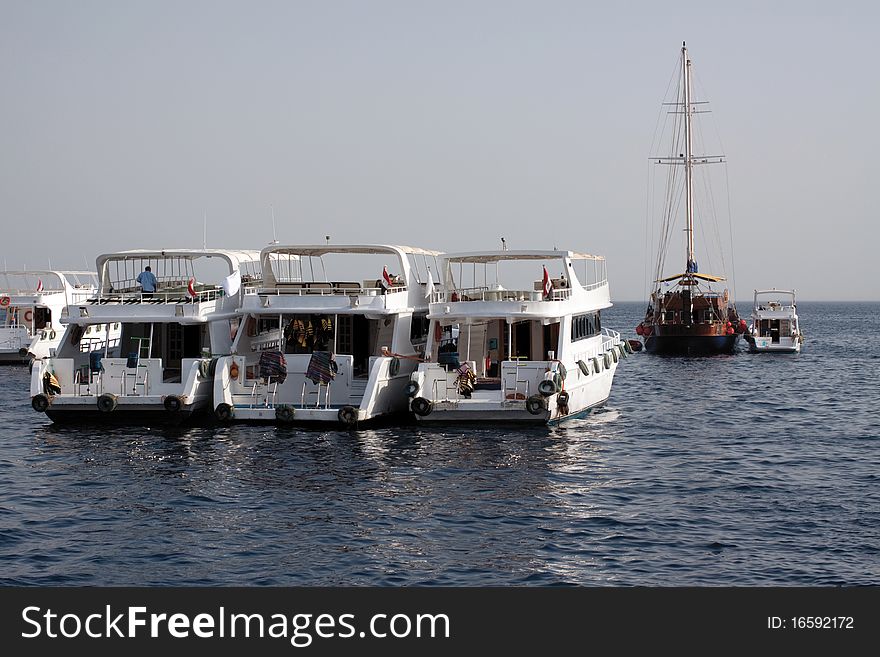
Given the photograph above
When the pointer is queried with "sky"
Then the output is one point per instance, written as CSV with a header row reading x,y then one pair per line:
x,y
446,125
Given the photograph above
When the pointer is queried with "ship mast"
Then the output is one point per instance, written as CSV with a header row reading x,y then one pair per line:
x,y
688,162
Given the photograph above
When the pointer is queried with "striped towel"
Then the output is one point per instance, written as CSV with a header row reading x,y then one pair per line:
x,y
272,363
322,368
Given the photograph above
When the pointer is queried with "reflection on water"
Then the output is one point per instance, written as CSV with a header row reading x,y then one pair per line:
x,y
740,470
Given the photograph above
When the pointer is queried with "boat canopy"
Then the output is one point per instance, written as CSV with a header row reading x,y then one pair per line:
x,y
497,256
702,277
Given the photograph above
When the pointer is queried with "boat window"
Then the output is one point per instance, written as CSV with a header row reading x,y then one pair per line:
x,y
418,328
585,326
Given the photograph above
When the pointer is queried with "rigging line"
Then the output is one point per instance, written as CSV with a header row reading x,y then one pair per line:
x,y
730,226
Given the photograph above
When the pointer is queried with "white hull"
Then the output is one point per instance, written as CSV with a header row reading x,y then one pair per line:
x,y
117,391
766,345
345,400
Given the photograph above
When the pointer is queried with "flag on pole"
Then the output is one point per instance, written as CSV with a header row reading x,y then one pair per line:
x,y
386,279
232,283
39,285
547,284
190,288
429,286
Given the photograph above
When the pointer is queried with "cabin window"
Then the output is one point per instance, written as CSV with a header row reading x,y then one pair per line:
x,y
585,326
418,328
668,316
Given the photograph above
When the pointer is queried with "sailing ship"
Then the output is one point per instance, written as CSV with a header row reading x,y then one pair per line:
x,y
689,312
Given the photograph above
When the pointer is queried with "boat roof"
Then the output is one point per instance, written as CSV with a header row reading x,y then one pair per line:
x,y
63,275
233,256
497,256
317,250
775,291
703,277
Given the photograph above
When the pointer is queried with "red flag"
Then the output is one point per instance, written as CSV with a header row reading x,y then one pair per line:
x,y
191,289
39,285
548,284
386,279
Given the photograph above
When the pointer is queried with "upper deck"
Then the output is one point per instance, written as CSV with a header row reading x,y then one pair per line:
x,y
519,284
331,279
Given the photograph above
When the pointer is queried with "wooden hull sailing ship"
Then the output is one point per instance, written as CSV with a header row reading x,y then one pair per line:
x,y
689,312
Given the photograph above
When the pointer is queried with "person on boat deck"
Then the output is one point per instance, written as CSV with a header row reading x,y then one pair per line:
x,y
148,282
692,267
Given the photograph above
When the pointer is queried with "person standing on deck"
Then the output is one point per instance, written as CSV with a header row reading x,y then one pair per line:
x,y
148,282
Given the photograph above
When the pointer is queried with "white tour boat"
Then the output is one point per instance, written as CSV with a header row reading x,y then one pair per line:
x,y
332,335
31,308
775,327
161,365
533,351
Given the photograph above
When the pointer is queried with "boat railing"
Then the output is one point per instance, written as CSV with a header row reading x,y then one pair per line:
x,y
335,288
498,294
610,338
174,296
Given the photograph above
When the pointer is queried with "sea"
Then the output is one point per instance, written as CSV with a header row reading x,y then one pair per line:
x,y
735,470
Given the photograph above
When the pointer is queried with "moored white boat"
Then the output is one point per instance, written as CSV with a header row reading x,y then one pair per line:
x,y
328,337
775,326
161,365
32,305
504,347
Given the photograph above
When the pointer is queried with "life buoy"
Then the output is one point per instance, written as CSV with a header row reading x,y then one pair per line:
x,y
394,367
562,399
233,370
585,369
547,387
5,301
107,403
43,335
421,406
224,412
411,389
172,403
52,335
348,415
40,403
190,288
535,404
28,316
284,413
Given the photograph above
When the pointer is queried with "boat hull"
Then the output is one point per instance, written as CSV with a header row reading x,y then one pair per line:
x,y
692,345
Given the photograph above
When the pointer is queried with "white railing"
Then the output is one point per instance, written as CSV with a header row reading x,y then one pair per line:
x,y
490,294
324,289
162,296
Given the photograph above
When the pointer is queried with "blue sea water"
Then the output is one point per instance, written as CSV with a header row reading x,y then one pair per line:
x,y
743,470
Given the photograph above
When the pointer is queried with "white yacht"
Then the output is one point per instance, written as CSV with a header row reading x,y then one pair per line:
x,y
332,335
775,327
526,348
31,308
162,364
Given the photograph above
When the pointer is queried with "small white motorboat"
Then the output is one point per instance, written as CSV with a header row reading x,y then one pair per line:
x,y
775,327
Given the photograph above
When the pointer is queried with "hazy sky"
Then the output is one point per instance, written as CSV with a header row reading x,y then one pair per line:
x,y
440,124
